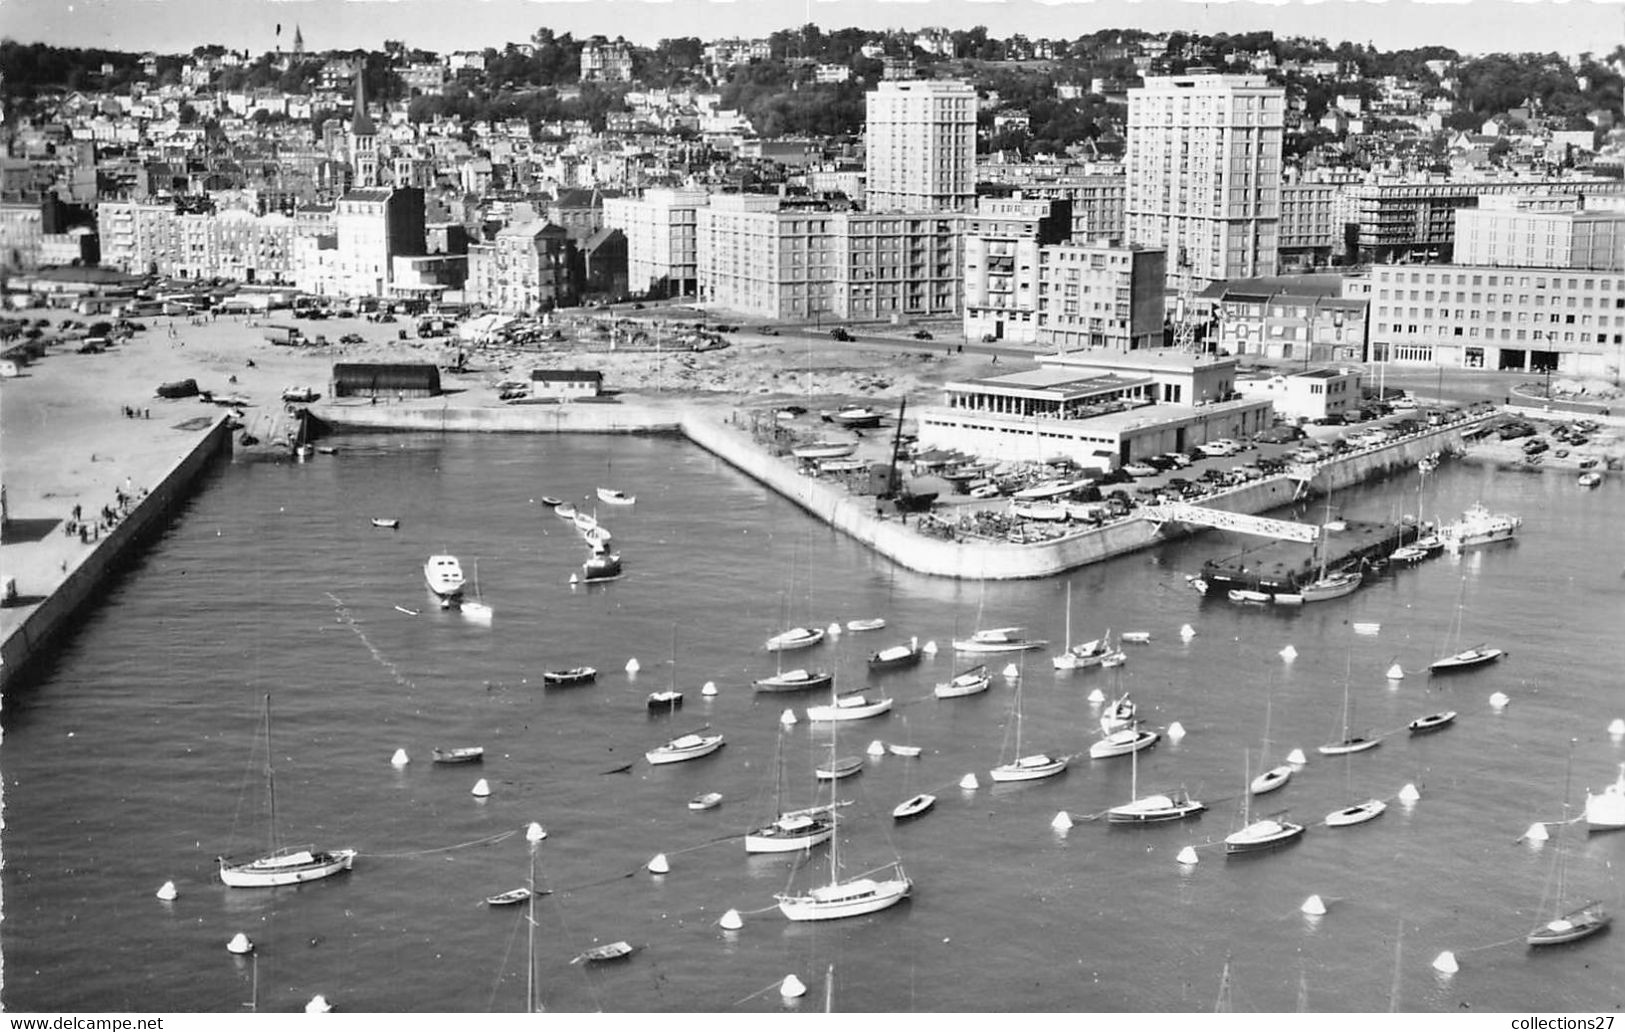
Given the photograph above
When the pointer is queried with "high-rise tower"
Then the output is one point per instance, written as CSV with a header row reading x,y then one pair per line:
x,y
920,138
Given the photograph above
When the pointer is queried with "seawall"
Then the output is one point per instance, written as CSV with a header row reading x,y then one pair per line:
x,y
81,579
577,417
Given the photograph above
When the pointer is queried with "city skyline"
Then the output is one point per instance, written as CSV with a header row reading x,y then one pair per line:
x,y
1471,26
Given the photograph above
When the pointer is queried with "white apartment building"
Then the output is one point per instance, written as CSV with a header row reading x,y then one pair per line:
x,y
372,227
524,269
1101,295
920,140
1306,395
1540,231
1002,243
758,257
1568,321
232,244
1204,173
1309,231
659,228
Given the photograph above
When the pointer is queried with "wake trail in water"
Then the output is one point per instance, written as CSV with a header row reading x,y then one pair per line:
x,y
343,612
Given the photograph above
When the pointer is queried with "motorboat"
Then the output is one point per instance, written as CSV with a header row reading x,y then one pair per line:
x,y
1135,637
668,699
460,754
1121,743
797,680
968,682
794,638
1247,596
1605,811
1431,722
603,567
691,746
1478,655
854,706
569,678
1479,526
610,496
895,657
913,806
1359,813
1088,654
608,951
792,832
905,751
998,639
444,575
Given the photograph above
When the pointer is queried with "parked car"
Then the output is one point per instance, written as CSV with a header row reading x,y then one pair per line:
x,y
1161,463
839,333
1534,446
1140,469
922,334
1179,459
1222,446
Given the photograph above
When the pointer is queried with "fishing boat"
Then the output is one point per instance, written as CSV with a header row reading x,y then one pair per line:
x,y
1478,526
666,699
1605,811
896,656
794,638
1568,923
444,575
1152,809
790,830
569,678
386,523
1590,478
871,624
851,897
1118,715
610,496
1024,768
691,746
1258,836
998,639
913,806
282,865
835,770
852,706
824,450
966,682
1431,722
606,952
1121,743
797,680
460,754
605,566
708,801
508,899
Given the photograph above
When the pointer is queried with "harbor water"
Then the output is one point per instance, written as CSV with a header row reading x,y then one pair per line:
x,y
132,758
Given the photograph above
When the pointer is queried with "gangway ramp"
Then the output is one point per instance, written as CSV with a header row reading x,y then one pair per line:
x,y
1242,523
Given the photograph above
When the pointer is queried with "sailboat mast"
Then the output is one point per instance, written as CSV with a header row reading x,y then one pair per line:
x,y
270,778
530,938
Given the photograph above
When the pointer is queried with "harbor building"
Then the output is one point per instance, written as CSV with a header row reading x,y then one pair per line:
x,y
1569,322
1097,409
1204,173
1307,395
920,142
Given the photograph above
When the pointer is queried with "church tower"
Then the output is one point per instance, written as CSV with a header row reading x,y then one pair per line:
x,y
298,43
363,141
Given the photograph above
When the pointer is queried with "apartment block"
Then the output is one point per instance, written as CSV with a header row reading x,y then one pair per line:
x,y
1566,321
372,227
660,231
526,268
1002,243
920,141
1309,233
1204,173
1548,231
1407,220
1101,295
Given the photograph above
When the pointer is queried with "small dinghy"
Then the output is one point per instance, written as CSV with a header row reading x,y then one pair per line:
x,y
462,754
508,899
572,676
1431,722
914,806
844,767
608,951
386,524
708,801
874,624
903,750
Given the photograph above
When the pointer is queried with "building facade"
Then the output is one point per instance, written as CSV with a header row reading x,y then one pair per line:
x,y
660,231
1550,231
1101,295
525,268
1417,220
920,141
1003,239
1204,173
1311,394
1310,232
372,227
1287,321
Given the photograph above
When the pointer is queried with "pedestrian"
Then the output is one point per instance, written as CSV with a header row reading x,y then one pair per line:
x,y
76,510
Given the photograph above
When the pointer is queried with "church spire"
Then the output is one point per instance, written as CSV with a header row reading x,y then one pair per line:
x,y
298,42
363,139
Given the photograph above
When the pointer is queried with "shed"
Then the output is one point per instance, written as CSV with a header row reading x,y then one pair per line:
x,y
566,384
384,379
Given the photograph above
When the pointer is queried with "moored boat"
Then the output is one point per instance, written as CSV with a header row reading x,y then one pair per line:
x,y
1590,478
564,511
967,682
1431,722
1330,586
608,951
1118,715
1478,526
460,754
707,801
1605,811
998,639
844,767
444,575
1258,836
1156,808
603,567
1466,659
794,638
913,806
1270,780
508,899
386,523
872,624
1121,743
668,699
684,747
1248,596
906,751
1029,768
896,656
854,706
797,680
568,678
610,496
1359,813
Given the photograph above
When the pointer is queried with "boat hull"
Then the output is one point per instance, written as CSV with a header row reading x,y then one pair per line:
x,y
1432,722
838,712
962,686
1571,927
1352,745
569,678
671,752
1154,810
1465,660
1262,836
1359,813
910,808
781,683
286,869
845,899
1029,768
790,835
1271,780
1121,744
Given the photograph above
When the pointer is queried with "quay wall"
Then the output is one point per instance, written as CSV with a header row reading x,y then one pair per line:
x,y
586,418
84,579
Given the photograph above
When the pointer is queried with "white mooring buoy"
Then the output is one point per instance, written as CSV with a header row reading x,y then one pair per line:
x,y
1186,632
1445,963
788,717
166,891
400,759
708,689
731,921
1097,696
1409,794
1011,670
1187,855
1499,700
1617,726
929,648
1396,673
1537,832
240,944
1176,731
877,748
1314,906
658,864
969,781
318,1005
535,833
791,987
1289,653
633,666
1297,758
834,630
1061,821
481,789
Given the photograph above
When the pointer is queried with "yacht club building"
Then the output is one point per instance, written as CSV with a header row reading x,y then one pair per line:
x,y
1098,409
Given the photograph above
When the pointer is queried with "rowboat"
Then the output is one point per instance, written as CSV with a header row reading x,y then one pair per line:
x,y
835,770
608,951
708,801
461,754
1135,637
610,496
913,806
567,678
551,502
907,751
873,624
386,524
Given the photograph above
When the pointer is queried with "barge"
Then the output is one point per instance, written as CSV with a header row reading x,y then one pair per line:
x,y
1282,570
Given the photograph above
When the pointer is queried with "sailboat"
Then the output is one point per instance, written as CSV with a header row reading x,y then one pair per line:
x,y
1257,836
790,830
476,609
1329,585
1349,743
283,865
1153,808
1605,811
533,836
1275,777
852,897
1091,653
1026,768
1578,922
1478,655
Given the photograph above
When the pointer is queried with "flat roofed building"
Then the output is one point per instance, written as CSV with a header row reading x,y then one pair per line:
x,y
920,145
1551,231
1101,295
566,384
1003,239
1310,394
1418,219
660,229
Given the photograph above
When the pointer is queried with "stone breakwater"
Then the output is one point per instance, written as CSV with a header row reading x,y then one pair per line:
x,y
855,515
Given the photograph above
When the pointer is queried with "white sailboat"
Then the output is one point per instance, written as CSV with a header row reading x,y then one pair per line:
x,y
282,865
1605,811
476,609
1026,768
1275,777
850,897
1478,655
1349,742
1366,810
1260,835
1574,923
790,830
1161,806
